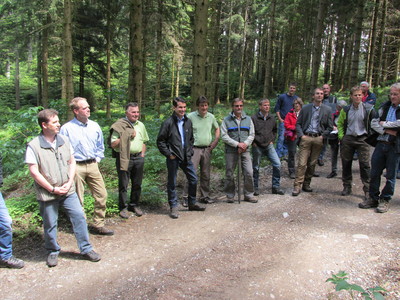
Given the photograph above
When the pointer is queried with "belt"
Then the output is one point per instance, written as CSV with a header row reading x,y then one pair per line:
x,y
86,162
136,154
312,134
201,147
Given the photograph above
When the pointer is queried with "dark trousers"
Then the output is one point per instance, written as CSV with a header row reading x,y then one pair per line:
x,y
334,144
292,148
349,145
135,174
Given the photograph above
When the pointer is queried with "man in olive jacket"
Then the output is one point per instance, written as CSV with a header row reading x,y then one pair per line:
x,y
175,142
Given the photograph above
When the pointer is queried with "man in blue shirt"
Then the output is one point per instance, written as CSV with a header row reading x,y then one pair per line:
x,y
282,107
87,141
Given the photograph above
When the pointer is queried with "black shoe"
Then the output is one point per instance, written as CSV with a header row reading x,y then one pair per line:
x,y
278,191
101,230
307,189
136,210
331,175
207,200
173,213
52,260
346,191
256,193
196,207
92,256
124,214
292,175
320,162
368,203
184,202
12,263
315,175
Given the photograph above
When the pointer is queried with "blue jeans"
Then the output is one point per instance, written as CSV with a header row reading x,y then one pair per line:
x,y
384,157
5,231
74,210
272,156
281,147
187,167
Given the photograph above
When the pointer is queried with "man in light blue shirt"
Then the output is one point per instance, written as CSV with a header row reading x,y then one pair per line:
x,y
87,141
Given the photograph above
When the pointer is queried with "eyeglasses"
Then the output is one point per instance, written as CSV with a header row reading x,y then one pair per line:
x,y
240,105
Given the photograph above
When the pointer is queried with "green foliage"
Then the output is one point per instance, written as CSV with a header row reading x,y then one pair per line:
x,y
24,210
340,282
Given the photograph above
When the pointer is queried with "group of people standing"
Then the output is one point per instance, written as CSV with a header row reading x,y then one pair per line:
x,y
62,160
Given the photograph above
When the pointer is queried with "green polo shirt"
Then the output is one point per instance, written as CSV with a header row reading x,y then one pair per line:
x,y
203,128
136,143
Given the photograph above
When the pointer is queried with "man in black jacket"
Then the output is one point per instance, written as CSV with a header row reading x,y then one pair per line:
x,y
175,142
263,144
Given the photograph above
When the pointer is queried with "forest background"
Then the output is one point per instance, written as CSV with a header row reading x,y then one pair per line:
x,y
112,52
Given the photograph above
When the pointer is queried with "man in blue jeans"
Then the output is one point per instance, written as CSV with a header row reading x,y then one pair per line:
x,y
7,260
283,105
52,166
175,141
263,144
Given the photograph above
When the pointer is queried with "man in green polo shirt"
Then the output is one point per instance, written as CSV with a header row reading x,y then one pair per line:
x,y
128,138
204,127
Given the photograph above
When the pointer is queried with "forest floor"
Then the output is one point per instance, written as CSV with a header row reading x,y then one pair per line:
x,y
283,247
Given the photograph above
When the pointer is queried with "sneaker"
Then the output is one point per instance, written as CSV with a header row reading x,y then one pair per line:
x,y
136,210
250,199
346,191
12,263
101,230
124,214
383,206
196,207
331,175
368,203
278,191
174,212
92,256
207,200
52,260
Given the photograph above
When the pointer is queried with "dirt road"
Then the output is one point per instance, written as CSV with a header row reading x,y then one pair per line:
x,y
283,247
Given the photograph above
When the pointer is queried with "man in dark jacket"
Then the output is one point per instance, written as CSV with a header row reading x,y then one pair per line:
x,y
386,154
263,144
175,142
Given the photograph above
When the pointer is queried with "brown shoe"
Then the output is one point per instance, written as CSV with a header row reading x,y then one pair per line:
x,y
296,191
136,210
124,214
383,206
250,199
196,207
173,213
101,230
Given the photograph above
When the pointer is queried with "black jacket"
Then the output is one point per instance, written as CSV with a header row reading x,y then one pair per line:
x,y
265,130
169,139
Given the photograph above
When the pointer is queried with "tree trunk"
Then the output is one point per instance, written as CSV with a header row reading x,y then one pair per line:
x,y
16,80
159,38
198,85
357,43
317,48
372,39
135,86
328,54
108,57
44,64
228,55
39,75
242,79
269,55
68,87
377,73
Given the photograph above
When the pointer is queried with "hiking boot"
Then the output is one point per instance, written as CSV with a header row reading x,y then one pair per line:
x,y
12,263
184,202
307,189
292,175
196,207
256,192
368,203
277,191
101,230
136,210
331,175
296,191
207,200
315,175
52,260
92,256
230,200
124,214
250,199
173,213
346,191
320,162
383,206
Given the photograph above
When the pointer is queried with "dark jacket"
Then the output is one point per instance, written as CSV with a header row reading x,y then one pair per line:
x,y
125,130
325,120
169,139
383,111
265,130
